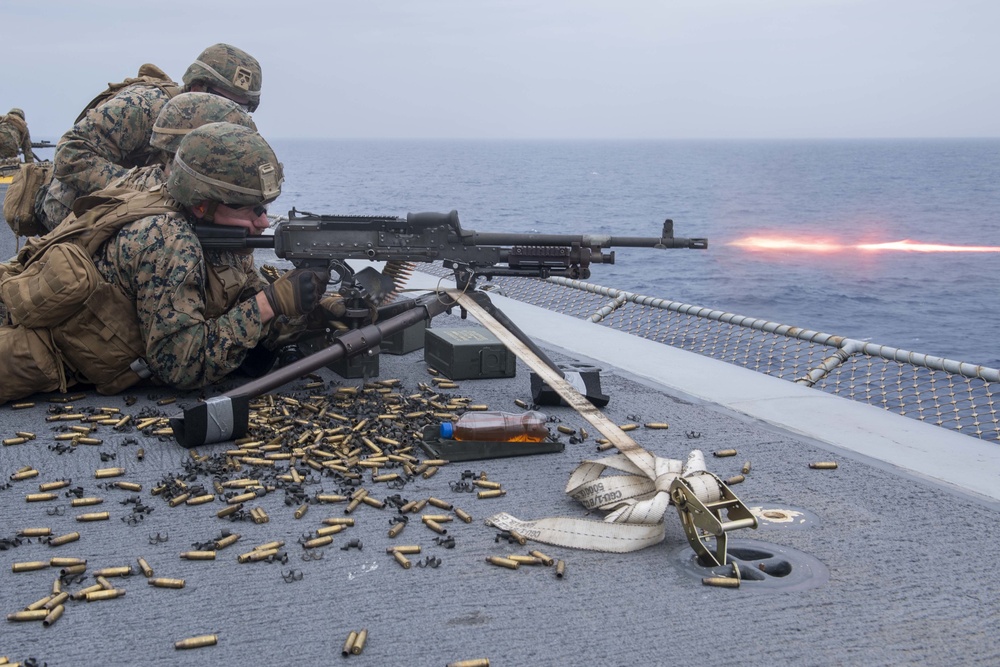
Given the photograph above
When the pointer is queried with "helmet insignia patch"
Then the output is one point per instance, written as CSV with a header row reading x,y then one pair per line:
x,y
270,184
242,78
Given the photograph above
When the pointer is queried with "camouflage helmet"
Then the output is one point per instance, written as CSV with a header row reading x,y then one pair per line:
x,y
183,113
228,69
225,163
16,112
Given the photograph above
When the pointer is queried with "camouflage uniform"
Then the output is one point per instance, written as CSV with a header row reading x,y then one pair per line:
x,y
176,119
190,316
102,147
159,264
115,136
14,136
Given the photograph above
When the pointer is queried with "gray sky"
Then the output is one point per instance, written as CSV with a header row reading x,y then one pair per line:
x,y
537,68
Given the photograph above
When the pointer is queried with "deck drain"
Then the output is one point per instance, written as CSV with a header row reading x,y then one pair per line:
x,y
763,566
774,516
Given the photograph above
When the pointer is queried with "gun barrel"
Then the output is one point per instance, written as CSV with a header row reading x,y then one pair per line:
x,y
584,240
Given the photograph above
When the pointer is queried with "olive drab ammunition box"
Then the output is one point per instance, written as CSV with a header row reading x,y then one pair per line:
x,y
358,366
468,353
403,342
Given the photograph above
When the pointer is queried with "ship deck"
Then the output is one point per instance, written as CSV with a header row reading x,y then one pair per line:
x,y
876,566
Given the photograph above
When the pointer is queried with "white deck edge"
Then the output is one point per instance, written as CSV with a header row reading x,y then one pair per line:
x,y
941,454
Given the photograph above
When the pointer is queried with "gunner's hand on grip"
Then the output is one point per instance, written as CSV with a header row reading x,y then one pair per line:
x,y
297,292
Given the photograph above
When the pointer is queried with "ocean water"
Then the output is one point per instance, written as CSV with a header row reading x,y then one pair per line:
x,y
844,192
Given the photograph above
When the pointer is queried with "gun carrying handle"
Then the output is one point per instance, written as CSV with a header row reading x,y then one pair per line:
x,y
434,219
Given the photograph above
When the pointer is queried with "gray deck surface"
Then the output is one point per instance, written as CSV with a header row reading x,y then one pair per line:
x,y
911,562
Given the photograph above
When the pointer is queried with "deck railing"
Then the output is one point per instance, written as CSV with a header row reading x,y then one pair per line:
x,y
952,394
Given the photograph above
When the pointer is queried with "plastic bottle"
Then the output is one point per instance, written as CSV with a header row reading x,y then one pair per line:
x,y
497,427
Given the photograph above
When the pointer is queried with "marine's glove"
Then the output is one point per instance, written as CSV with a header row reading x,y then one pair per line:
x,y
297,292
333,304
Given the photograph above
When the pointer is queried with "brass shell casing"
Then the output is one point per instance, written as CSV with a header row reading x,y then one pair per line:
x,y
39,497
109,594
486,484
147,571
54,615
64,539
60,561
29,566
120,571
226,511
657,425
359,643
82,593
396,529
493,493
401,559
200,500
256,555
404,549
463,515
521,539
824,465
54,486
329,530
301,510
435,526
318,542
226,541
545,559
724,453
109,472
525,560
339,521
94,516
33,615
724,582
373,502
35,532
746,468
276,544
349,643
735,479
503,562
198,555
476,662
161,582
56,601
73,569
39,604
197,642
560,568
437,502
84,502
351,506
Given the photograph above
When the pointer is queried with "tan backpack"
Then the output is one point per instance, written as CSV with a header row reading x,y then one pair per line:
x,y
29,183
148,74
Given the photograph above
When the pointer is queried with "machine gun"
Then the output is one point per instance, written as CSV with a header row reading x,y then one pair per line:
x,y
313,240
327,241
